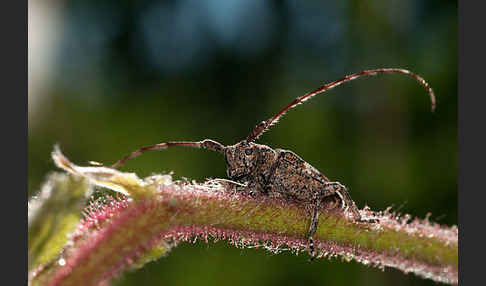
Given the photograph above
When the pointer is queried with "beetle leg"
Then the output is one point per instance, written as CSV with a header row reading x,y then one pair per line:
x,y
343,193
230,182
313,227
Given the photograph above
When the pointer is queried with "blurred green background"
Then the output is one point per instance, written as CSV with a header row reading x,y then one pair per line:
x,y
107,77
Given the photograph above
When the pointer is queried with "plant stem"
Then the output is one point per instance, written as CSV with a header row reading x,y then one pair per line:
x,y
128,232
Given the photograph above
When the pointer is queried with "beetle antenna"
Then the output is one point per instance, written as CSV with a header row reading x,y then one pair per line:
x,y
204,144
264,125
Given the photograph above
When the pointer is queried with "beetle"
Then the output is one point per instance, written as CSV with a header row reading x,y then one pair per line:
x,y
276,171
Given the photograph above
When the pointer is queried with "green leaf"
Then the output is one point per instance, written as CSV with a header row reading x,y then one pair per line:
x,y
53,214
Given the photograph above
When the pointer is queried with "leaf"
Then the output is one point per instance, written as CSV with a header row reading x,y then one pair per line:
x,y
53,214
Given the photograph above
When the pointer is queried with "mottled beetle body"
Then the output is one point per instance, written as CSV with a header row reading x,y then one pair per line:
x,y
281,171
267,171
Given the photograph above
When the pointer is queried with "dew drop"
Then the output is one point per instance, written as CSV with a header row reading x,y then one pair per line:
x,y
62,262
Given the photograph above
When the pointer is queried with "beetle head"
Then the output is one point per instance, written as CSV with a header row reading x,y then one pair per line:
x,y
241,160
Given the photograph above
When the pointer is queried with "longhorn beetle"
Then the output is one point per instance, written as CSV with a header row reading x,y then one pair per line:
x,y
268,171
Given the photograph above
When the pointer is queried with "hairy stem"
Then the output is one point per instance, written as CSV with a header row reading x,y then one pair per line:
x,y
131,230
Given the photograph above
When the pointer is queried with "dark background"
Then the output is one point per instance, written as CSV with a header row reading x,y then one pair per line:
x,y
111,76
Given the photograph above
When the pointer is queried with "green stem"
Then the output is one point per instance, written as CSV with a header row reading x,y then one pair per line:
x,y
146,227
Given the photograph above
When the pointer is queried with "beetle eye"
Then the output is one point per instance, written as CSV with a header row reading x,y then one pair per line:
x,y
248,151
